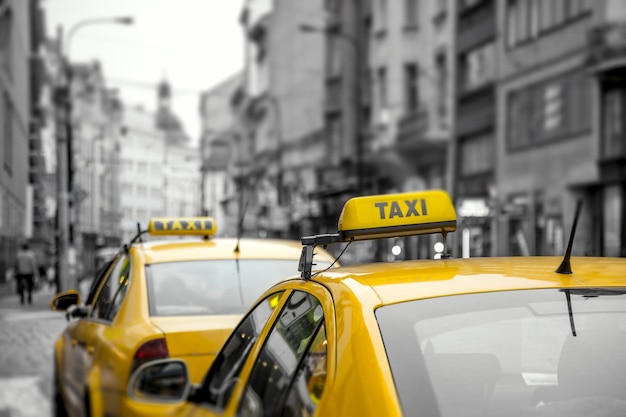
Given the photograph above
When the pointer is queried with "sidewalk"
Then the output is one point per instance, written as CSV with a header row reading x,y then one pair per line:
x,y
9,298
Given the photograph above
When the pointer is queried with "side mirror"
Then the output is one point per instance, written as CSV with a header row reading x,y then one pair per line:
x,y
159,381
62,301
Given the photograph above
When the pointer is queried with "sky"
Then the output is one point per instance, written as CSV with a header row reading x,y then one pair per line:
x,y
193,44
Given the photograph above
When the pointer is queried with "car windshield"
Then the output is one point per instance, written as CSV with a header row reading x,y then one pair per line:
x,y
213,286
517,353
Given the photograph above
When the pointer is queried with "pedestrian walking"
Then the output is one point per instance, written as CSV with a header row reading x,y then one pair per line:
x,y
26,271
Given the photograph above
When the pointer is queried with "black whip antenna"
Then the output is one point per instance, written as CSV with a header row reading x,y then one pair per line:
x,y
566,267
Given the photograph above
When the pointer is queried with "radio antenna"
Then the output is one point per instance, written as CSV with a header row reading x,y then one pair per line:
x,y
566,267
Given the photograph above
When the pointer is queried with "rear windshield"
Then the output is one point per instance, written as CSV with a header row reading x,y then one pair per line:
x,y
516,353
213,286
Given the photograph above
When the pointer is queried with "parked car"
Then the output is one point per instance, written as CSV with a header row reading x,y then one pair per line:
x,y
174,297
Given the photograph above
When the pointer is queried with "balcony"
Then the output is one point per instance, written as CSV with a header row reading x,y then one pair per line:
x,y
412,127
607,46
415,141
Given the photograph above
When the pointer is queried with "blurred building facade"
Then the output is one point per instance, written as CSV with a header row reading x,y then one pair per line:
x,y
217,143
160,169
560,130
473,163
22,174
142,171
279,110
94,167
515,107
410,61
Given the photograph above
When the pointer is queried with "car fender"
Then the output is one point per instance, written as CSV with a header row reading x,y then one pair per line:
x,y
93,392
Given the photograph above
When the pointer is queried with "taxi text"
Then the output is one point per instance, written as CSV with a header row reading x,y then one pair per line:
x,y
395,209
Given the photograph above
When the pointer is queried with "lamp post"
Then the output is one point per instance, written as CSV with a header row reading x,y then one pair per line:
x,y
356,92
63,116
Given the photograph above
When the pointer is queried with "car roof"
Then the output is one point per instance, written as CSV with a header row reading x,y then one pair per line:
x,y
189,249
400,281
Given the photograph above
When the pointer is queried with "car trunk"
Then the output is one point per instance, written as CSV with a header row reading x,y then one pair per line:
x,y
196,339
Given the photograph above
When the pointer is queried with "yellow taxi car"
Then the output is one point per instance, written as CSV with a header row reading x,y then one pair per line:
x,y
524,336
170,296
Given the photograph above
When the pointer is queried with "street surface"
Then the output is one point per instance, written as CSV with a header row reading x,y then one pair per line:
x,y
27,335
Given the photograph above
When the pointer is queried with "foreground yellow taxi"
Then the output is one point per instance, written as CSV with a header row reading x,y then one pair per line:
x,y
168,298
446,337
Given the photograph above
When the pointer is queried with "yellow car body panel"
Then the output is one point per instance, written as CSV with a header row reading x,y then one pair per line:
x,y
359,380
93,358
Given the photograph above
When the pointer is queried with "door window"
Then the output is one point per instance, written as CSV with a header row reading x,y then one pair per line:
x,y
219,383
293,356
113,291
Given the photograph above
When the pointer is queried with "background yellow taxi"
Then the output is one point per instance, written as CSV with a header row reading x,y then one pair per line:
x,y
160,299
447,337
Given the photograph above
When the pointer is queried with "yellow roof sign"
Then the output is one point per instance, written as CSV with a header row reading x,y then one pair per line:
x,y
176,226
392,215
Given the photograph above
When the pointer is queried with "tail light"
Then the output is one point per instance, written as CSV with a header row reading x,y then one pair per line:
x,y
149,351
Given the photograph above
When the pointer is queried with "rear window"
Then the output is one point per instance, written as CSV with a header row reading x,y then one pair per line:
x,y
213,286
517,353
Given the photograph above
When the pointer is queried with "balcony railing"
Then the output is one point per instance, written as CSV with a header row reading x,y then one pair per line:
x,y
412,126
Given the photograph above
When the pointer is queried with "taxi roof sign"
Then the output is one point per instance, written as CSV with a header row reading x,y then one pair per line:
x,y
177,226
383,216
394,215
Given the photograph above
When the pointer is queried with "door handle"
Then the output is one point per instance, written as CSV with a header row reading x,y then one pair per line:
x,y
90,349
74,342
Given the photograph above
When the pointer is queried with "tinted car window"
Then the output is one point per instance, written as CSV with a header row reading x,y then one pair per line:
x,y
223,375
306,391
113,291
539,352
98,278
213,286
274,370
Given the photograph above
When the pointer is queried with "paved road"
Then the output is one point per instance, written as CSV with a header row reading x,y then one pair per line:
x,y
27,335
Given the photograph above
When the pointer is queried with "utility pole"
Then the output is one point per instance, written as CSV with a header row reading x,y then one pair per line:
x,y
61,101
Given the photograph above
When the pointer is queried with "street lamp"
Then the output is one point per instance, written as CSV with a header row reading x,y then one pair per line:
x,y
63,104
357,90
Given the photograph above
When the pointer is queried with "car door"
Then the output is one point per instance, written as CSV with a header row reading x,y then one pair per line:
x,y
278,360
219,385
86,335
289,373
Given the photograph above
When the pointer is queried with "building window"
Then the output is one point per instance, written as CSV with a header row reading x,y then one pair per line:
x,y
477,154
442,86
516,132
612,123
334,135
548,110
7,131
478,66
382,90
411,87
527,19
6,27
411,14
